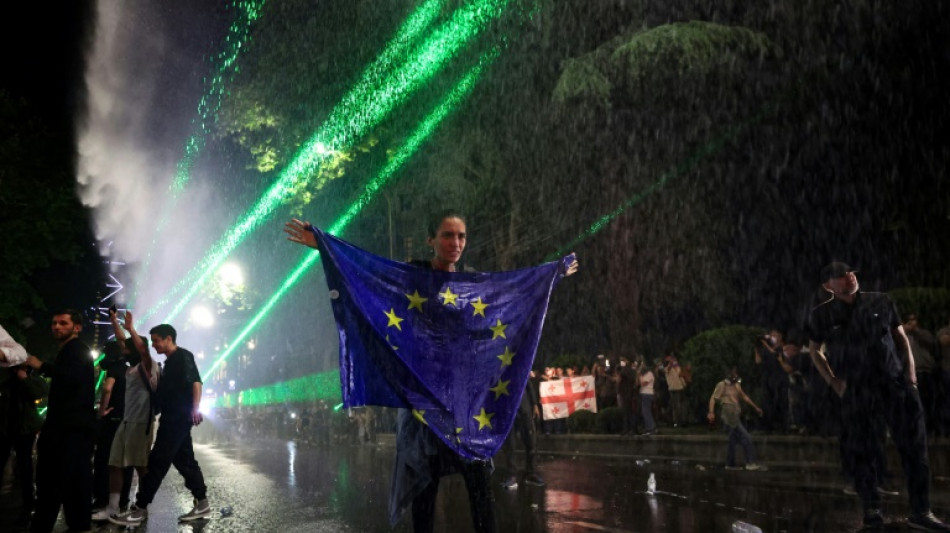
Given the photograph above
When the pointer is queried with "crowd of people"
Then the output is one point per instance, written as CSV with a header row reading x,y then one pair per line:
x,y
86,446
865,375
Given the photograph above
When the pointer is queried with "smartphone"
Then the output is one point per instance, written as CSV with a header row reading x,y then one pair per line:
x,y
113,309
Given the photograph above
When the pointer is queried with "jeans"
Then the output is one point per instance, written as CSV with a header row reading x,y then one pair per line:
x,y
646,409
739,435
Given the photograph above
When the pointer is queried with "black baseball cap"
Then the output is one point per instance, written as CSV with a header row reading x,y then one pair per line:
x,y
835,269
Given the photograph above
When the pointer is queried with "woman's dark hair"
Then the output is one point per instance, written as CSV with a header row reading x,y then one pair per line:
x,y
436,220
112,353
134,357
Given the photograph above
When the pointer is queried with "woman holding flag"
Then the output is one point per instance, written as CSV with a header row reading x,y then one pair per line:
x,y
436,356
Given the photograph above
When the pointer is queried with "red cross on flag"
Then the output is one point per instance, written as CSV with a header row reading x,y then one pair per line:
x,y
561,397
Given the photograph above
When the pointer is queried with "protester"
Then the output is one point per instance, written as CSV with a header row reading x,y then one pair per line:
x,y
768,355
179,399
923,346
647,380
422,457
870,367
20,390
133,435
676,383
64,449
111,409
628,387
529,411
728,394
11,353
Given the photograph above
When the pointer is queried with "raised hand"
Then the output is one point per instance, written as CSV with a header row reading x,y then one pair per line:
x,y
300,233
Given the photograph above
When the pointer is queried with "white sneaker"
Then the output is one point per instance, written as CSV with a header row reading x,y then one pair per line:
x,y
200,510
132,518
103,514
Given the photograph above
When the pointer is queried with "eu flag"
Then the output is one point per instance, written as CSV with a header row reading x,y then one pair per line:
x,y
454,347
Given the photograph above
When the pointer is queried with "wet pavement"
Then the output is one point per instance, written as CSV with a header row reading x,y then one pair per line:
x,y
277,485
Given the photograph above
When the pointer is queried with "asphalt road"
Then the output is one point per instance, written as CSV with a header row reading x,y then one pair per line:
x,y
271,485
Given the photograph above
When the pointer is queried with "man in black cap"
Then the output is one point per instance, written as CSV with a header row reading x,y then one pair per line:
x,y
870,367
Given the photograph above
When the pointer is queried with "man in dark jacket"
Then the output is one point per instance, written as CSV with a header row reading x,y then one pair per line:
x,y
64,450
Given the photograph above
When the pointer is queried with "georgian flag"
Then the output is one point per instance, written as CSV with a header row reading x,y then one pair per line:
x,y
561,397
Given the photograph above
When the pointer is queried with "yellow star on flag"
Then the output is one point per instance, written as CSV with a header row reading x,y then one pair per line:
x,y
498,330
416,301
479,307
484,419
506,357
448,297
500,388
393,319
420,416
391,345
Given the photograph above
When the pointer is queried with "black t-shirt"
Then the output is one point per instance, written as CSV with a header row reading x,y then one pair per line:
x,y
72,390
772,370
175,396
859,343
116,370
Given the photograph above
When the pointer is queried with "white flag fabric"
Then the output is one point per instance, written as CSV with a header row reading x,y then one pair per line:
x,y
561,397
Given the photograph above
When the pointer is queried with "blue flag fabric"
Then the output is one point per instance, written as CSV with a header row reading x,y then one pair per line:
x,y
454,347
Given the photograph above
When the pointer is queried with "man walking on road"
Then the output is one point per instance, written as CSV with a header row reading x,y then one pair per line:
x,y
179,396
868,363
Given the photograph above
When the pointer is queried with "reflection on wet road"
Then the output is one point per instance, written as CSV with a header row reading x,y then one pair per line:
x,y
278,485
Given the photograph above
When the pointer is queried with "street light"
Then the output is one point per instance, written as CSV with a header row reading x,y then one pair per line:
x,y
231,274
202,317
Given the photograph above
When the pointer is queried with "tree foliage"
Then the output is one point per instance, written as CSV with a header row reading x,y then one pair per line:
x,y
39,224
726,151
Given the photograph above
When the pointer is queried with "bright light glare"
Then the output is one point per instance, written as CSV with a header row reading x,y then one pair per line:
x,y
93,354
202,317
231,275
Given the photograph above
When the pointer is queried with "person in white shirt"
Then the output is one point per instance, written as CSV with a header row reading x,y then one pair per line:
x,y
11,353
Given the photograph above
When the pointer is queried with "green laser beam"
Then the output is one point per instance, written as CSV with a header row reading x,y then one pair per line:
x,y
356,115
681,168
415,140
248,11
320,386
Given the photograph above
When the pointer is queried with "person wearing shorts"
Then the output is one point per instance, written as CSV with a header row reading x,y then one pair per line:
x,y
133,439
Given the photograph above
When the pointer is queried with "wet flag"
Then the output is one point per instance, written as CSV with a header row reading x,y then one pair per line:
x,y
561,397
454,347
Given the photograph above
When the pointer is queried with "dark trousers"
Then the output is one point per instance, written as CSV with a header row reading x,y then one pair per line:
x,y
481,501
943,401
63,478
22,445
899,404
678,407
928,384
172,447
523,429
775,403
100,467
629,409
